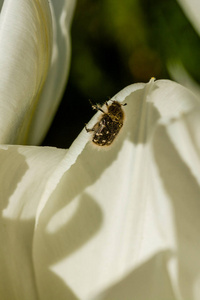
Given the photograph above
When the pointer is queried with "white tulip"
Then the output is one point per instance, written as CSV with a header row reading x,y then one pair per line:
x,y
34,63
88,223
119,222
192,10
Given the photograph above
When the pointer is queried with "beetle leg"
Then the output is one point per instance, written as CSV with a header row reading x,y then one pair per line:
x,y
88,129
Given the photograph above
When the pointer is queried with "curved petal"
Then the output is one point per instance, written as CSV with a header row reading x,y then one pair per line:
x,y
150,280
62,12
180,75
25,51
24,175
116,210
105,218
192,11
174,193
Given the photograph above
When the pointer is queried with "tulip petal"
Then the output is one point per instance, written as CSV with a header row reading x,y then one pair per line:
x,y
192,11
119,211
62,12
176,151
99,220
148,281
24,175
25,51
179,74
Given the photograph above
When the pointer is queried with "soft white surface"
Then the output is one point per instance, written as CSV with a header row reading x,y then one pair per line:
x,y
24,175
133,207
25,50
179,74
192,11
116,224
34,62
62,12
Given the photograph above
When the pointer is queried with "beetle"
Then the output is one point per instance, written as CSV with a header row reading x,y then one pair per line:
x,y
109,124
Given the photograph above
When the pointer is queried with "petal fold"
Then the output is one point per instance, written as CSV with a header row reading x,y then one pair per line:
x,y
192,11
25,51
92,223
24,174
118,210
55,83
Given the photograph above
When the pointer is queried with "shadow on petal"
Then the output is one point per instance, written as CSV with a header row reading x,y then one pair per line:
x,y
148,281
75,232
15,171
183,191
15,235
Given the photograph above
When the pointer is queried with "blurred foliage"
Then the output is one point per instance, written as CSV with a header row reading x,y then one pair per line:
x,y
114,44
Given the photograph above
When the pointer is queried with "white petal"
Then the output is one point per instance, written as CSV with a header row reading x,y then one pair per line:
x,y
179,74
148,281
25,51
114,213
180,138
24,176
119,210
192,11
57,76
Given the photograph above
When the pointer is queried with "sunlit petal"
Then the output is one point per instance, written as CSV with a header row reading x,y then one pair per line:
x,y
180,74
24,174
118,210
150,280
192,11
62,12
25,51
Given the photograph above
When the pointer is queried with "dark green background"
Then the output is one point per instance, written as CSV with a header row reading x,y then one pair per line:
x,y
116,43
